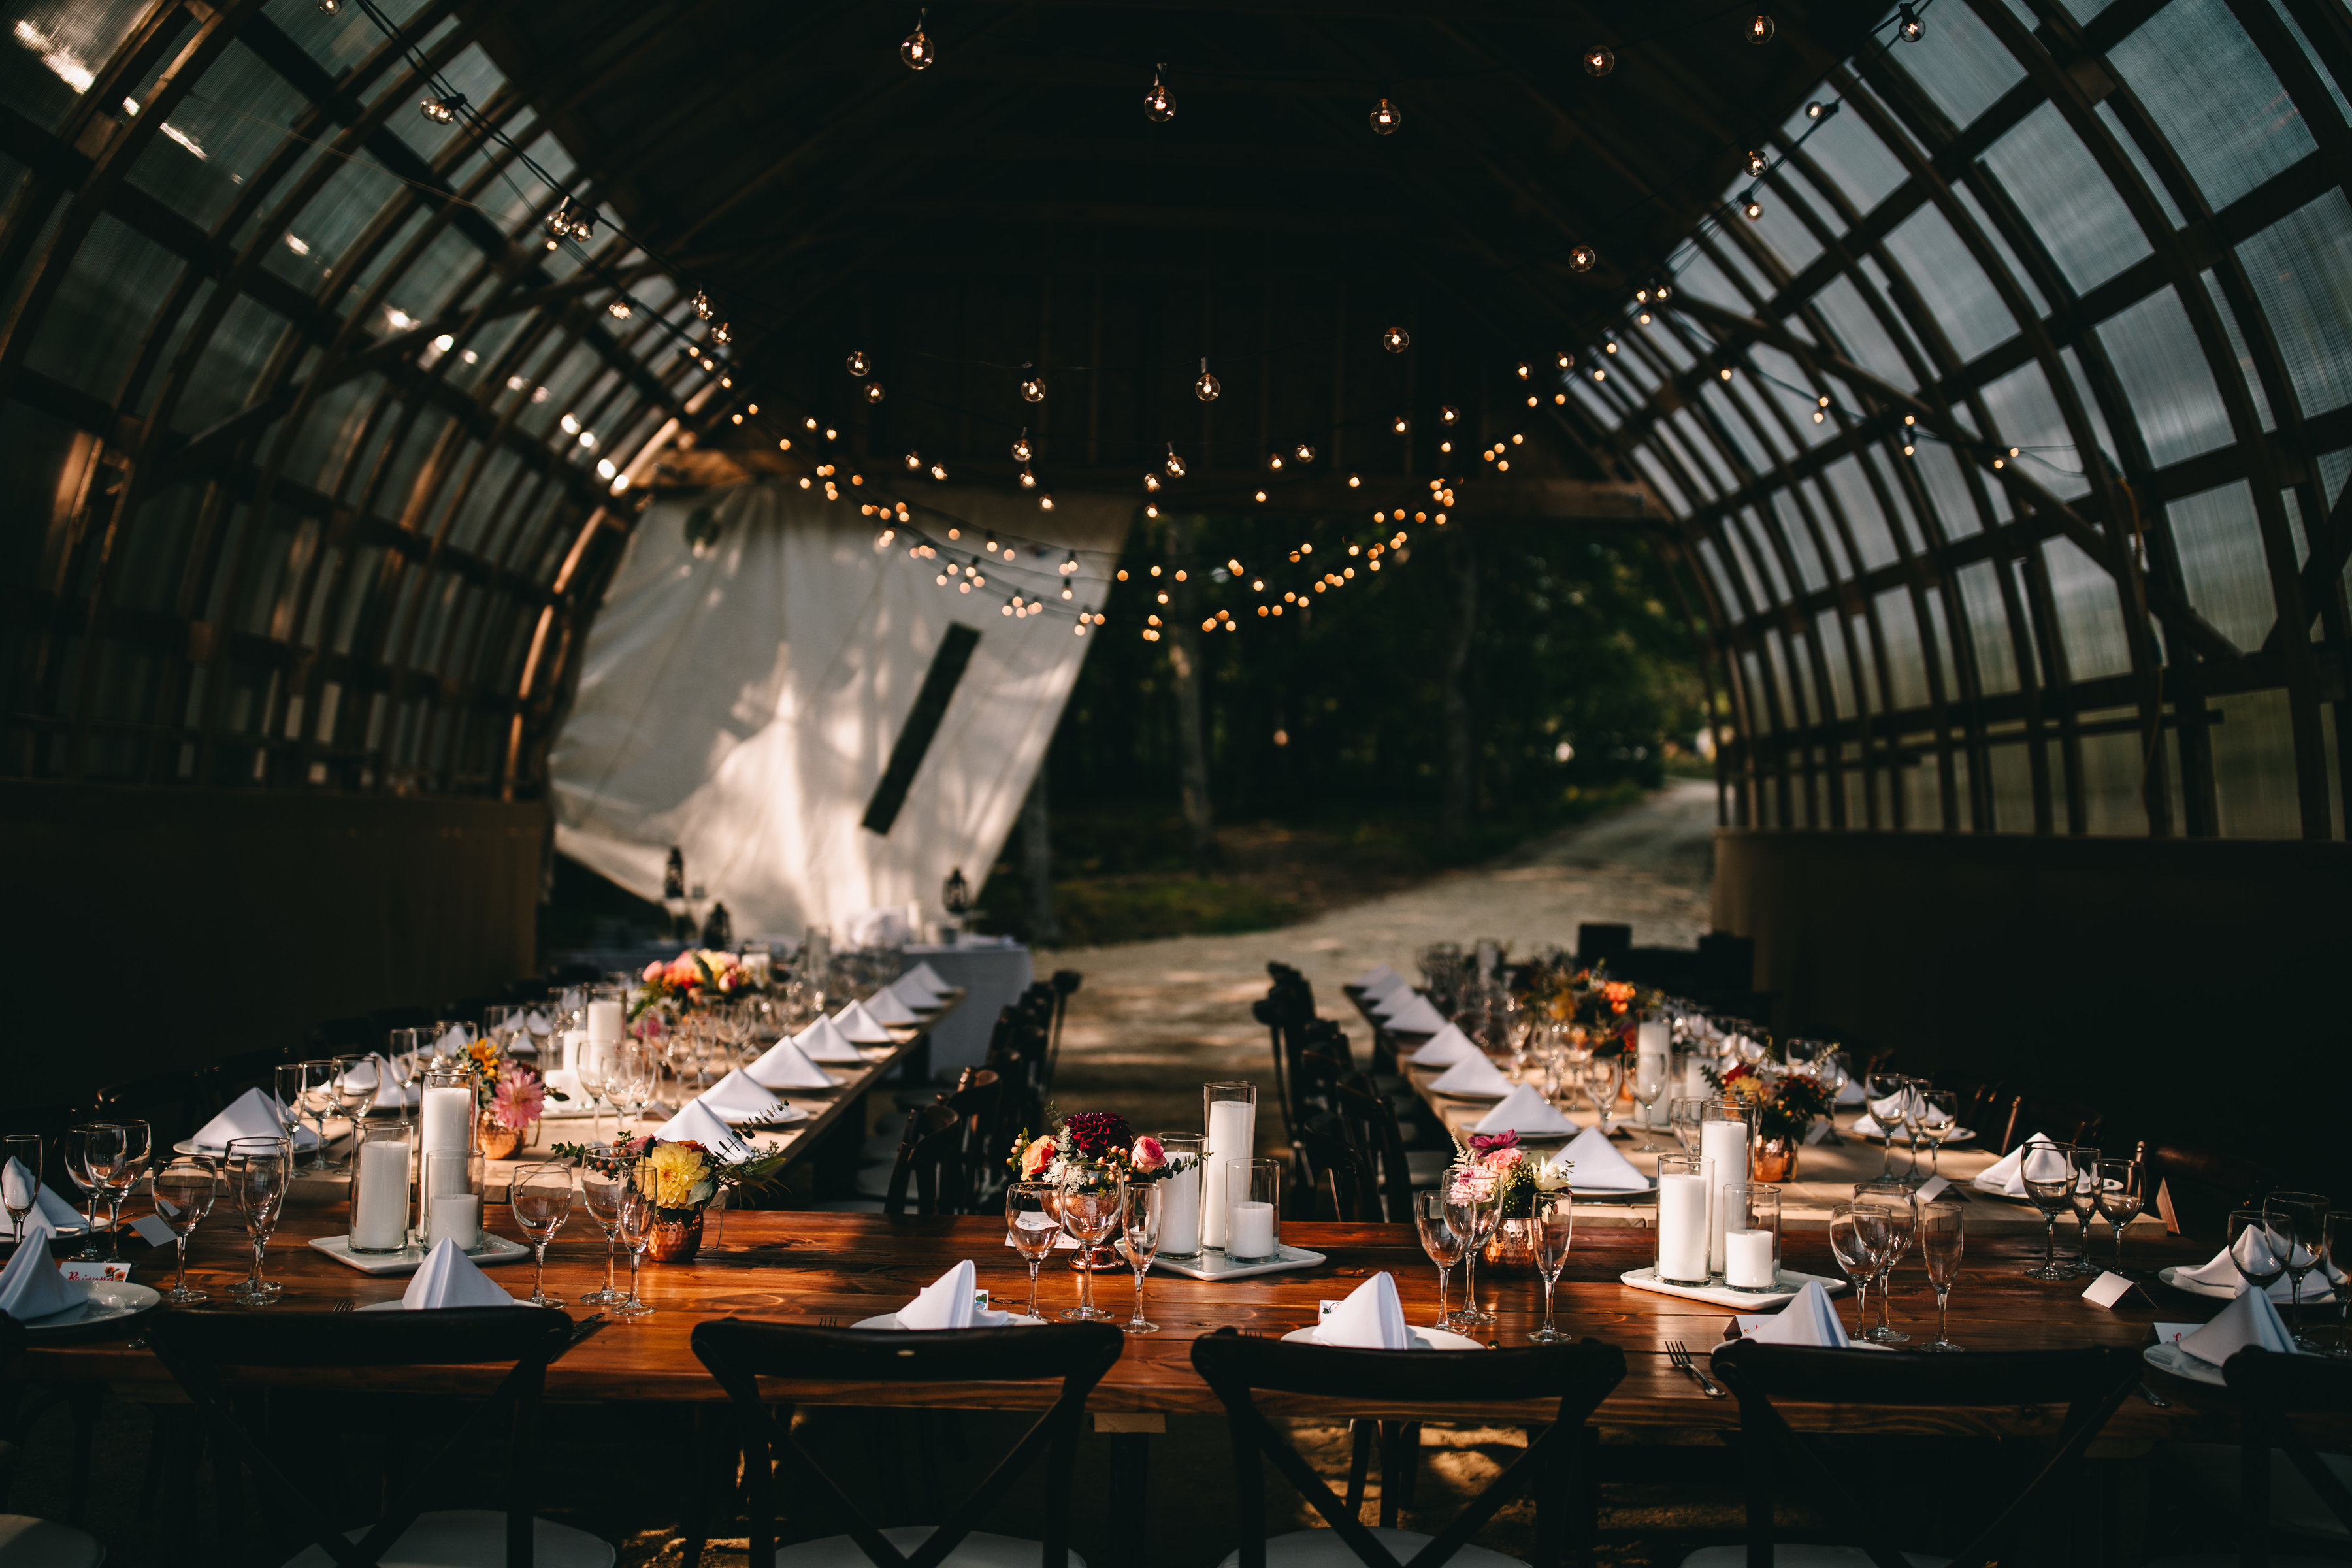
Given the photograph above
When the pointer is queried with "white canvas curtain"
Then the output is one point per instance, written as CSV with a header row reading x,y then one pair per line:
x,y
742,704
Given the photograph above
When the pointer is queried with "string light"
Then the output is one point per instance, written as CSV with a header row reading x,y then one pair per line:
x,y
1207,386
1151,481
1757,164
1526,370
1447,414
1818,109
1663,292
1910,28
1564,360
1581,259
328,7
705,310
722,334
857,361
1158,104
442,110
1396,340
917,49
1033,385
1175,464
1021,445
619,310
1028,479
1306,454
1600,59
939,471
1044,502
1760,29
1753,208
1385,118
1399,425
914,460
873,392
1273,461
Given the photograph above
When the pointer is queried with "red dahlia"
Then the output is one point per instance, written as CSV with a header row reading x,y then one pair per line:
x,y
1096,1134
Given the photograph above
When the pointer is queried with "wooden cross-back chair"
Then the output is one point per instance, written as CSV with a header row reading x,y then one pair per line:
x,y
739,1354
1338,1171
199,1347
2088,1383
930,1162
2273,1389
1578,1376
1374,1126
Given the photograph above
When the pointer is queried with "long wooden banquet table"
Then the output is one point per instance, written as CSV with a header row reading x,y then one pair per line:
x,y
834,1270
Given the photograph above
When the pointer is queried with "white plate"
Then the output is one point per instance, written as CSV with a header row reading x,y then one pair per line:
x,y
409,1259
1423,1339
2230,1292
305,1140
1791,1284
1013,1320
107,1299
1616,1194
2180,1364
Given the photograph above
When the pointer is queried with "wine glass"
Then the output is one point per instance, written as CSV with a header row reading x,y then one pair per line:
x,y
1857,1240
1934,1115
294,1082
2048,1172
319,1093
2300,1221
1091,1216
1833,1071
634,1077
184,1192
258,1170
1139,1224
80,1143
1602,1080
1441,1241
2335,1245
1885,1091
1031,1220
2123,1193
637,1216
1554,1224
2083,1196
1942,1233
1474,1202
1648,1087
592,1066
1683,1116
115,1165
1902,1217
405,1053
2259,1253
20,1177
352,1084
602,1175
540,1199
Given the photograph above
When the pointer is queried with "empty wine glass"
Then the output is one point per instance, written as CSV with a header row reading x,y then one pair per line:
x,y
405,1053
638,1215
1090,1215
1901,1214
350,1087
1601,1076
2083,1196
2335,1245
1031,1220
1683,1116
2047,1171
541,1200
1858,1244
258,1170
592,1066
115,1165
631,1083
184,1192
1649,1087
2300,1220
2123,1194
602,1176
1935,1116
81,1140
1942,1235
1474,1203
2259,1253
1441,1241
1554,1224
20,1178
1886,1092
1139,1224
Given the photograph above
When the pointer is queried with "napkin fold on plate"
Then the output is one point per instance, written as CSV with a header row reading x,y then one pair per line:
x,y
916,996
32,1286
2251,1319
948,1303
1475,1076
256,1113
453,1042
1446,1047
823,1041
16,1180
447,1278
739,1096
1371,1319
697,1123
1598,1167
886,1007
2222,1272
785,1066
924,975
1417,1017
861,1027
1809,1319
1524,1111
1380,982
2006,1175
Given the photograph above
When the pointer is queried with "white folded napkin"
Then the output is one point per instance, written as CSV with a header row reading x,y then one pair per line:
x,y
32,1286
2006,1174
697,1123
924,975
256,1113
1477,1076
823,1041
448,1279
1392,999
1598,1168
861,1027
739,1096
884,1007
1380,982
785,1066
453,1042
48,1204
2251,1319
537,1023
1809,1319
1524,1110
2224,1273
921,999
1446,1047
1371,1317
1867,1125
1418,1016
1851,1094
948,1303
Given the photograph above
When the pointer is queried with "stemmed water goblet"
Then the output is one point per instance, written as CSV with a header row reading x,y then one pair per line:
x,y
1029,1218
1441,1241
1901,1225
1091,1216
1933,1114
1833,1071
258,1170
1602,1075
406,1051
1554,1224
591,1065
1141,1206
1474,1202
1649,1087
1886,1092
2300,1221
184,1192
2083,1198
541,1200
601,1177
353,1084
2047,1171
631,1083
1942,1236
81,1141
20,1178
1858,1239
2258,1252
640,1213
115,1155
2123,1194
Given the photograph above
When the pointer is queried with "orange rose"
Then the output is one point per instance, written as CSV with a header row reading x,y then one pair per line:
x,y
1036,1157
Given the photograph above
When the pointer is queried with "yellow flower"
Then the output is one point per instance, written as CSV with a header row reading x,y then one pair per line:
x,y
677,1170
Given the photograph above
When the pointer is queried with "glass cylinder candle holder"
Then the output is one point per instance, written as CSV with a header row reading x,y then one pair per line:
x,y
381,1162
449,1200
1180,1211
1727,1132
1683,1209
1229,1133
1252,1210
1751,1235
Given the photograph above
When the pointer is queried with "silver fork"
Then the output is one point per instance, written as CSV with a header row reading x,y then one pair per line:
x,y
831,1322
344,1305
1682,1358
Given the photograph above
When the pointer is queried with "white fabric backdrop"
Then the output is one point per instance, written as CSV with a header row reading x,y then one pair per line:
x,y
743,705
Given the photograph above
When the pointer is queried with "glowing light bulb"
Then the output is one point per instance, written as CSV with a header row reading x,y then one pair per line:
x,y
917,49
914,459
1033,385
1664,293
858,364
328,7
1564,360
702,305
1752,208
1447,414
1526,370
1400,425
1305,453
1175,464
873,392
1911,28
1151,481
1396,340
1816,109
620,310
1760,29
1045,503
1757,164
939,471
1207,386
1028,479
1275,461
1021,453
442,110
1599,60
721,333
1385,118
1159,103
1581,259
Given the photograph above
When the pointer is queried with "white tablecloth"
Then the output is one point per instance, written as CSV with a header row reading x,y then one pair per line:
x,y
994,976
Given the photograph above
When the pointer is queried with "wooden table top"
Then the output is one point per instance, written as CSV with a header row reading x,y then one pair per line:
x,y
799,1267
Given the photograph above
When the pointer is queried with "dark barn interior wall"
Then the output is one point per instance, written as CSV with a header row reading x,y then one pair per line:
x,y
222,922
2187,988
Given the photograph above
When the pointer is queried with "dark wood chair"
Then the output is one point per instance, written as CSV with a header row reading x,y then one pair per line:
x,y
39,1543
1076,1355
2055,1120
1065,982
1399,1171
1578,1376
172,1104
2274,1389
196,1347
2087,1384
2195,1189
1338,1170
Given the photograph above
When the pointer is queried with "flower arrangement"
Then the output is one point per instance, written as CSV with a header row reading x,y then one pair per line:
x,y
1086,1147
1498,1156
1606,1010
695,975
1785,1104
510,1094
685,1176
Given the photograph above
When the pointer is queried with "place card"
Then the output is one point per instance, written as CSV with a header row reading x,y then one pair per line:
x,y
1818,1131
1929,1190
79,1270
2107,1289
151,1230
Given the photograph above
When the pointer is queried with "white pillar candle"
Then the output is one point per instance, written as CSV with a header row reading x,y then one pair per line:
x,y
604,1022
458,1217
1232,1135
1747,1262
1723,1157
572,1040
380,1197
1682,1228
448,1122
1250,1231
1179,1212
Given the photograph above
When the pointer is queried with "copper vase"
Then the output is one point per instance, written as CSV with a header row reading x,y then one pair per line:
x,y
1511,1250
1774,1160
499,1143
676,1237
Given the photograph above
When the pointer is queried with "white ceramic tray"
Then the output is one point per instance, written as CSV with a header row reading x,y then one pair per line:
x,y
109,1298
1791,1284
410,1258
1423,1339
1212,1264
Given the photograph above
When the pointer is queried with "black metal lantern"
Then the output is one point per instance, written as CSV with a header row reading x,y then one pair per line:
x,y
956,895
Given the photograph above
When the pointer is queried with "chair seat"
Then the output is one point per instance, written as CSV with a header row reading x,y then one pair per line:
x,y
1324,1549
1426,1167
28,1543
1800,1554
2212,1469
978,1550
473,1538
